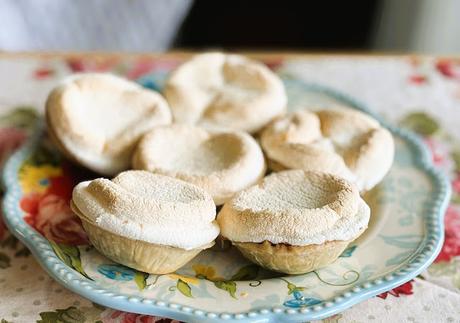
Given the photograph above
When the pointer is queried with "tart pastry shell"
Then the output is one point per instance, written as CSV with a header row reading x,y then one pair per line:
x,y
292,259
144,256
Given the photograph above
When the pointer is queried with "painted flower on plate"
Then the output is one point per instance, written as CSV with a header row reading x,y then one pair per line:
x,y
122,273
51,215
187,279
47,190
36,178
301,301
206,272
116,272
297,298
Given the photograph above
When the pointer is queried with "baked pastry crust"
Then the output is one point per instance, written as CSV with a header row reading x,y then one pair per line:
x,y
96,119
145,221
341,141
221,163
147,257
292,260
295,221
225,91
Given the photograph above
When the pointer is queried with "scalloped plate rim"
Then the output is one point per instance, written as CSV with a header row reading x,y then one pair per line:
x,y
71,280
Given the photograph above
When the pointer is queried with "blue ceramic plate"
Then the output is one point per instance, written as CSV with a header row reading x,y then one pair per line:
x,y
405,234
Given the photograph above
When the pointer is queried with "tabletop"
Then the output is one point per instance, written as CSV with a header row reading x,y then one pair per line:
x,y
421,93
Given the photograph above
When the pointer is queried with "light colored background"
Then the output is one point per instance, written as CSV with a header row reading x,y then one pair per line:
x,y
426,26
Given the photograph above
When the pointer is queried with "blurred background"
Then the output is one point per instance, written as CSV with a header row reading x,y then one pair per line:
x,y
425,26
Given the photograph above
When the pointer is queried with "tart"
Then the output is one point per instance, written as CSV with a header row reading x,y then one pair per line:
x,y
225,91
97,119
221,163
295,221
149,222
340,141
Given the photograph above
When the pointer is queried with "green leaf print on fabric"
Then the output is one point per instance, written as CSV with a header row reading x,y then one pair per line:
x,y
456,280
12,243
333,319
140,278
184,288
5,321
23,252
456,158
448,269
229,286
4,261
20,117
68,315
70,255
443,268
421,123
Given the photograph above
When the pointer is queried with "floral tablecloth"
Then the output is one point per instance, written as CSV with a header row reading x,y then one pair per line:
x,y
422,94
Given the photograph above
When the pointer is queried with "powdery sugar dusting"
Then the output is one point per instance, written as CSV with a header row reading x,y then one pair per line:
x,y
297,208
342,141
152,208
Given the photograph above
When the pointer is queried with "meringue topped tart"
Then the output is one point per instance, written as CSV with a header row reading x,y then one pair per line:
x,y
96,119
146,221
221,163
340,141
295,221
225,91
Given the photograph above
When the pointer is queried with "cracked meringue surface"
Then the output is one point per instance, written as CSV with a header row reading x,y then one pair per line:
x,y
153,208
339,141
225,91
222,163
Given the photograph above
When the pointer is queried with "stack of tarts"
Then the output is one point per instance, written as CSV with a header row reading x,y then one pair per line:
x,y
175,158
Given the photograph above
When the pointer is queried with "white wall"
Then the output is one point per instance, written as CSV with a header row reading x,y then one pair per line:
x,y
132,25
425,26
